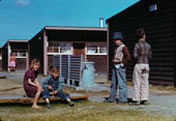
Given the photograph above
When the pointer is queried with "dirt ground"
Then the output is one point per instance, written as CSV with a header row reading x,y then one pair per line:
x,y
160,102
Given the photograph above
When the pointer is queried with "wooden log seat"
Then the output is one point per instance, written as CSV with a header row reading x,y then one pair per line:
x,y
24,99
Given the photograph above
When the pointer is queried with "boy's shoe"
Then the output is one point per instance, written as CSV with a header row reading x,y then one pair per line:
x,y
48,105
109,100
71,104
134,103
144,102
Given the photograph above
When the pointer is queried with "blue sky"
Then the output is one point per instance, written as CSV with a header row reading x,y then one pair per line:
x,y
22,19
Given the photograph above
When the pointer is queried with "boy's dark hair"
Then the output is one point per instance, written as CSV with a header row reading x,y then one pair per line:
x,y
140,32
54,69
50,67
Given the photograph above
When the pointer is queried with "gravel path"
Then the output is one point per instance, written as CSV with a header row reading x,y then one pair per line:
x,y
160,102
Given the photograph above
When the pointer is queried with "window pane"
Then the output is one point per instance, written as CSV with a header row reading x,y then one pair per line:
x,y
65,47
53,44
15,52
22,53
92,49
103,49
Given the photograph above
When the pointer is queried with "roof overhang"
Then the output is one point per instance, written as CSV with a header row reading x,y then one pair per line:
x,y
17,40
75,28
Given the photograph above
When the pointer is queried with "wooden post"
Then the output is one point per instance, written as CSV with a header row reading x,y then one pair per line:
x,y
27,57
107,51
8,56
45,57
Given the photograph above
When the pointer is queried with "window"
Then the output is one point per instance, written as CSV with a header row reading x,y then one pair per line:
x,y
96,49
15,52
103,49
56,47
19,53
153,7
65,47
53,44
92,49
53,47
22,53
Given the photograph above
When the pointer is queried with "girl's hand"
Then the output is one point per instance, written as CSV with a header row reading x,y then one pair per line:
x,y
40,87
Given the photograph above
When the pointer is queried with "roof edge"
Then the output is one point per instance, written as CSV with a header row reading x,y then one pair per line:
x,y
75,28
18,40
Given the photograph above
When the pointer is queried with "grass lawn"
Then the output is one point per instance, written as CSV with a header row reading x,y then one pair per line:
x,y
82,111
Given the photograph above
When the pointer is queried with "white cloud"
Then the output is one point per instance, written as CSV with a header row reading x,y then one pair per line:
x,y
22,2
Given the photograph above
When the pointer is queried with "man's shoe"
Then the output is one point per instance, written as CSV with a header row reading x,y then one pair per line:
x,y
109,100
48,105
134,103
71,104
144,102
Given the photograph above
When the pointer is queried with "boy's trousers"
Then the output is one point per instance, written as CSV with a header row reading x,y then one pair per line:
x,y
61,94
140,82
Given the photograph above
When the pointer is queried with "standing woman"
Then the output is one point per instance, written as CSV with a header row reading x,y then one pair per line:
x,y
31,84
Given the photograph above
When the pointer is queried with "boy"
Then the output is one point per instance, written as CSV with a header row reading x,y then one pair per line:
x,y
142,54
121,57
53,84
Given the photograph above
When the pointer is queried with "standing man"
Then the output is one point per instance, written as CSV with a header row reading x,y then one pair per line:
x,y
121,57
142,54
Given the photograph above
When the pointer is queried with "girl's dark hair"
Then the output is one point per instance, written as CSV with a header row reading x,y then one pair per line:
x,y
140,32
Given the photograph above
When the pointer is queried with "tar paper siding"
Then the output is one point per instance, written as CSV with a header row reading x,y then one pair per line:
x,y
5,57
36,48
100,62
160,29
0,58
76,35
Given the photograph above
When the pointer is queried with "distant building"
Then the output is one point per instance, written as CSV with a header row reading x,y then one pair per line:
x,y
87,41
158,19
20,49
2,43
